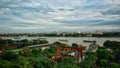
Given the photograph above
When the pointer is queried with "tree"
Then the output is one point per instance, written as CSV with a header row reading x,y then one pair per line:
x,y
87,64
37,52
42,63
8,64
67,62
43,41
26,52
52,49
103,63
112,45
114,65
9,55
89,61
74,45
104,54
25,62
28,43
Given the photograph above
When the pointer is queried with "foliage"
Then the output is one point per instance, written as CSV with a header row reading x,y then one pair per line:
x,y
8,64
38,41
89,61
115,45
8,55
34,58
105,54
37,52
74,44
114,65
26,52
60,43
9,44
67,62
103,63
52,49
106,58
24,62
42,63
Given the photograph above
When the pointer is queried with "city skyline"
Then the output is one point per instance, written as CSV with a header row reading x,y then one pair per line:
x,y
59,15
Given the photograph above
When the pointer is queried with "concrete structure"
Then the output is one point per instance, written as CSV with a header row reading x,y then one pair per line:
x,y
80,49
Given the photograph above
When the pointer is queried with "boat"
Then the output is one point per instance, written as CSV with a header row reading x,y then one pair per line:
x,y
63,40
89,41
16,37
42,38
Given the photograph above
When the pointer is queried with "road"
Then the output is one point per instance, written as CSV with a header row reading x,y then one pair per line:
x,y
33,46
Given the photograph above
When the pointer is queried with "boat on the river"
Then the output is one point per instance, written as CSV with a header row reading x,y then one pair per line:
x,y
63,40
16,37
89,41
42,38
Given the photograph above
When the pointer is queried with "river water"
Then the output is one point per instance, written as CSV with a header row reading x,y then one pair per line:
x,y
78,40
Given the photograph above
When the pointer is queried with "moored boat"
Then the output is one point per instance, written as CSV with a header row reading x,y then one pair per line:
x,y
89,41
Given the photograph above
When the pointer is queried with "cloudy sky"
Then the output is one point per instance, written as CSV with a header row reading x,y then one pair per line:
x,y
59,15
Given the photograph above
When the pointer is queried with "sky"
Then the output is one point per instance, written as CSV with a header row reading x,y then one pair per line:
x,y
59,15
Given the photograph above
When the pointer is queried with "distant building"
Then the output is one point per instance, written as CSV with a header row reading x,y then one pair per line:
x,y
58,33
98,32
63,34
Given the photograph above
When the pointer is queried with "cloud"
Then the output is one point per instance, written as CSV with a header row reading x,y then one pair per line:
x,y
55,15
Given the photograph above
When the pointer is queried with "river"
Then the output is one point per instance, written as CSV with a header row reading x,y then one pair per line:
x,y
78,40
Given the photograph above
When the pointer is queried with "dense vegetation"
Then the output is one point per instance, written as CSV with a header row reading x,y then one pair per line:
x,y
38,58
13,44
114,45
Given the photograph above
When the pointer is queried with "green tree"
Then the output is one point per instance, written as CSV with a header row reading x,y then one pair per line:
x,y
26,52
8,64
42,63
89,61
52,49
87,64
37,52
68,62
9,55
114,65
25,62
105,54
43,41
112,45
74,45
104,63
